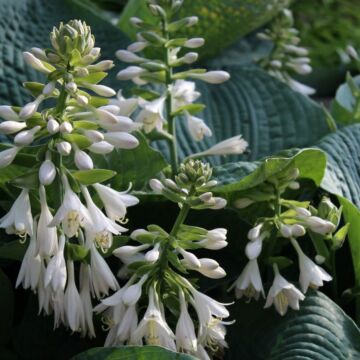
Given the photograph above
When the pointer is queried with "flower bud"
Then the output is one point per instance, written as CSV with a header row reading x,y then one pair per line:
x,y
319,225
39,53
11,127
128,56
52,126
37,64
49,88
101,147
153,255
286,230
66,128
136,22
7,156
190,58
94,135
297,230
190,259
129,250
26,137
30,109
83,161
132,294
7,113
71,87
302,212
47,172
212,77
194,43
319,259
294,185
243,203
121,140
64,148
254,233
253,249
219,203
156,186
352,52
192,20
137,46
130,73
82,100
104,65
101,90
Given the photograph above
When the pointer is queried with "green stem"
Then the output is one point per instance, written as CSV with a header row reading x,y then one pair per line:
x,y
334,281
180,219
61,103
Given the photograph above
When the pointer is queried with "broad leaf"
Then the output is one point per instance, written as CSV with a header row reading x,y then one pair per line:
x,y
132,353
319,330
221,22
13,250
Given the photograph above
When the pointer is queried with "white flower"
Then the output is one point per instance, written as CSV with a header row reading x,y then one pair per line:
x,y
44,293
212,77
88,325
30,270
11,127
253,248
183,93
115,202
46,236
254,233
66,128
7,113
101,147
310,273
26,137
19,219
34,62
185,331
72,213
64,148
153,326
52,126
213,335
99,224
7,156
132,294
47,172
234,145
83,161
101,90
319,225
214,240
194,43
197,127
189,259
30,109
121,140
151,115
129,56
126,106
283,294
73,307
55,273
153,255
127,326
131,73
249,282
156,186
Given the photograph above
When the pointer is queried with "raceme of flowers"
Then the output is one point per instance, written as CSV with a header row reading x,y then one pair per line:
x,y
65,136
286,57
156,268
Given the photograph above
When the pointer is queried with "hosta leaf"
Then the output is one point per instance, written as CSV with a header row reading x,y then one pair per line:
x,y
221,22
132,353
89,177
319,330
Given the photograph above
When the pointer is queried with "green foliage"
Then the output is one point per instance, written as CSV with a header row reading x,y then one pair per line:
x,y
6,308
221,22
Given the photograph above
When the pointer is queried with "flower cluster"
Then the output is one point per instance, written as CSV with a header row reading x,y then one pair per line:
x,y
156,267
73,227
291,220
177,97
286,56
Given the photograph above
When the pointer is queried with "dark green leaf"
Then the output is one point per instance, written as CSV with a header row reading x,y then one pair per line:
x,y
13,250
29,180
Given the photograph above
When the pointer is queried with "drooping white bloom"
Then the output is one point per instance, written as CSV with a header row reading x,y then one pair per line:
x,y
126,106
152,114
46,236
121,140
127,326
73,307
47,172
31,108
197,127
72,213
234,145
129,250
153,327
100,225
7,156
212,77
82,160
186,340
183,93
310,273
56,274
283,294
115,202
11,127
19,219
26,137
253,248
132,294
44,293
249,282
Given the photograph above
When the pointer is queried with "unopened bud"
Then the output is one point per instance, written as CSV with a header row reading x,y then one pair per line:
x,y
83,161
66,128
47,172
64,148
52,126
26,137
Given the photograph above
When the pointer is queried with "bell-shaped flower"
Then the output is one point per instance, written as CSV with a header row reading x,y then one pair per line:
x,y
197,127
7,156
72,213
213,335
126,327
132,294
56,274
19,219
47,238
186,340
249,282
73,307
283,294
183,93
310,273
152,114
153,327
45,294
88,325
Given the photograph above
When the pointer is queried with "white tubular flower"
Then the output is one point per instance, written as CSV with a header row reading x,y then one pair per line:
x,y
186,340
30,270
189,259
101,226
254,233
310,273
56,274
153,255
212,77
302,69
301,88
121,140
194,43
101,90
101,147
72,213
132,294
44,293
19,219
26,137
283,294
47,172
253,248
7,156
127,326
249,282
58,306
102,278
153,327
215,239
152,114
183,93
319,225
83,161
64,148
31,108
129,57
11,127
231,146
129,250
130,73
197,127
47,238
104,65
214,334
115,202
88,325
126,106
210,268
34,62
66,128
73,307
156,186
52,126
7,113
